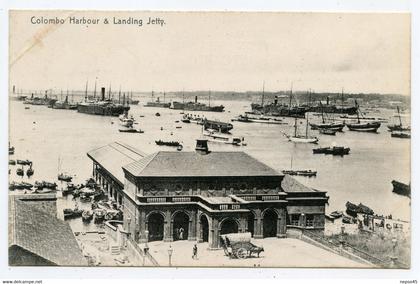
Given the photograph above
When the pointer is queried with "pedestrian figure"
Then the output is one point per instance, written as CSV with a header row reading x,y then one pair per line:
x,y
194,256
181,233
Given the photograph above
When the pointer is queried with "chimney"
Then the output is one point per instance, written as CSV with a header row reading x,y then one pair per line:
x,y
103,93
201,147
276,99
195,99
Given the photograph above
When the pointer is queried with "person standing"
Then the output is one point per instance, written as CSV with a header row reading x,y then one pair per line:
x,y
181,233
195,249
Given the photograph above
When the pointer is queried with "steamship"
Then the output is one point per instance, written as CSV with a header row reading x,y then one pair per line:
x,y
158,103
196,106
102,107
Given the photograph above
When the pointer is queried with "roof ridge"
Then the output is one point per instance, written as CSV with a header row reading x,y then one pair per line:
x,y
131,148
152,157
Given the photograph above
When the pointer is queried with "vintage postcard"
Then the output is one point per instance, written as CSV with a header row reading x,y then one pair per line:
x,y
209,139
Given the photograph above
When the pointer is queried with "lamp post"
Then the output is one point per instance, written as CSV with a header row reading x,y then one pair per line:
x,y
146,246
170,251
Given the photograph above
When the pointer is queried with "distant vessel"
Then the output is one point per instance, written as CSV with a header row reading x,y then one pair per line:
x,y
222,138
307,173
401,134
167,143
64,104
258,119
276,109
335,126
223,127
370,126
196,106
103,107
398,127
125,120
335,150
401,188
158,103
332,108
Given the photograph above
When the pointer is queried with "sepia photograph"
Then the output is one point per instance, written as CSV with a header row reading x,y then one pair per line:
x,y
209,139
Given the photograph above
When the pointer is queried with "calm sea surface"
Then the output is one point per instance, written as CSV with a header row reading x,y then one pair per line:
x,y
47,136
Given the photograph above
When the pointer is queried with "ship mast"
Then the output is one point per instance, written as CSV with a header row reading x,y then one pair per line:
x,y
109,92
86,90
307,123
209,98
119,95
399,116
94,91
290,98
262,98
164,96
342,100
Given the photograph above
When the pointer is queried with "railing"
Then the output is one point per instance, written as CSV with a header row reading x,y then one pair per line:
x,y
270,197
181,199
140,251
156,200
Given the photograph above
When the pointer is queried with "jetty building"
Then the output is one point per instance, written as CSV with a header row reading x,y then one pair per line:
x,y
200,195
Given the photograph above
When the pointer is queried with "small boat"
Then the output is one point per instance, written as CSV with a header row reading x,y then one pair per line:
x,y
125,120
179,147
44,190
401,134
12,162
27,107
130,130
30,171
302,138
11,150
87,216
72,213
347,220
398,127
335,150
218,137
65,177
20,172
24,162
99,215
45,184
85,198
306,173
178,127
157,114
369,126
69,189
336,214
22,185
167,143
327,131
186,120
401,188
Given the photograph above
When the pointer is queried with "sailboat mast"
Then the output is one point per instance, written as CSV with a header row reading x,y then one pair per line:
x,y
119,95
94,92
290,98
307,123
342,100
399,116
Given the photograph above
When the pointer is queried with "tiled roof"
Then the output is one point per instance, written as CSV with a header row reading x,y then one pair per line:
x,y
114,156
289,184
170,164
42,234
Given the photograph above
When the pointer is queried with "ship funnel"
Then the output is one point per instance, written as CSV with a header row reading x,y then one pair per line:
x,y
201,147
195,99
103,93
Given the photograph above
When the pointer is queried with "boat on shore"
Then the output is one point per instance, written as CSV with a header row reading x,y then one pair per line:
x,y
401,134
11,150
401,188
20,172
12,162
45,184
20,185
24,162
72,213
30,171
335,150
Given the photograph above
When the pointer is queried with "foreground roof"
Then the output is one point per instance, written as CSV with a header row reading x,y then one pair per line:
x,y
170,164
42,234
114,156
289,184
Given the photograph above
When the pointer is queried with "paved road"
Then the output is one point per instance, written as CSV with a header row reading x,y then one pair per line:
x,y
278,253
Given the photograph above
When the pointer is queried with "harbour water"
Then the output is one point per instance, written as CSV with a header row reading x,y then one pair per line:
x,y
58,140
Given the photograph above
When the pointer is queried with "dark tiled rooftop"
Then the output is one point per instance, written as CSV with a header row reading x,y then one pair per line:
x,y
170,164
42,234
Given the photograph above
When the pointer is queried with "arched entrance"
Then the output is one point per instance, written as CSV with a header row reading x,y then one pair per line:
x,y
181,223
251,218
204,228
269,223
228,226
155,224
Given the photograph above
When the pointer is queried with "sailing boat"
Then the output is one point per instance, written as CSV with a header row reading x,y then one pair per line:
x,y
333,126
307,173
398,127
371,126
302,138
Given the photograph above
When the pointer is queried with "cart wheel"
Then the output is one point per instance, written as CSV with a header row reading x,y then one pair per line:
x,y
241,253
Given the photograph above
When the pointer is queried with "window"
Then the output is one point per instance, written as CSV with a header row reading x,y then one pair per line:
x,y
310,220
294,219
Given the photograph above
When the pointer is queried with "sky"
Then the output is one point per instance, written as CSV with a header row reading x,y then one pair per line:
x,y
365,52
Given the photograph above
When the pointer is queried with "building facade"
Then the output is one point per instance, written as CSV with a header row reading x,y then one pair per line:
x,y
201,195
